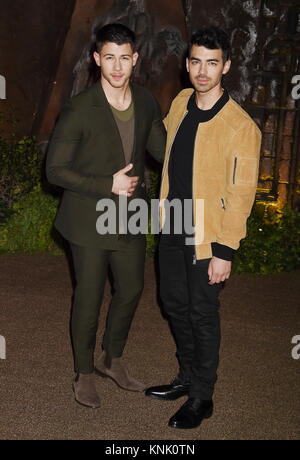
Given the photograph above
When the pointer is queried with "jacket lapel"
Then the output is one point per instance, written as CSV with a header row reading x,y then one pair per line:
x,y
101,105
139,116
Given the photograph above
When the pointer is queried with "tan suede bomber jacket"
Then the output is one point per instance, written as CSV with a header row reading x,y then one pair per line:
x,y
225,173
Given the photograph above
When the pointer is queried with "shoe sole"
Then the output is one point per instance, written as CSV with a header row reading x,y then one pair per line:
x,y
105,376
208,415
82,404
159,398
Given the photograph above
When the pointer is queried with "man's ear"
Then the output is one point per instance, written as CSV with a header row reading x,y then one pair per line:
x,y
187,62
227,66
97,58
135,58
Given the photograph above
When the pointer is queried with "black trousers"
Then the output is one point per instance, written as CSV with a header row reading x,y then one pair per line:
x,y
91,269
192,306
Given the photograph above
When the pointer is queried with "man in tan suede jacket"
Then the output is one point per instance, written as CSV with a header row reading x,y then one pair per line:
x,y
212,160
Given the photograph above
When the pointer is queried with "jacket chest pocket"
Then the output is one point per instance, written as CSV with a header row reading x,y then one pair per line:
x,y
243,171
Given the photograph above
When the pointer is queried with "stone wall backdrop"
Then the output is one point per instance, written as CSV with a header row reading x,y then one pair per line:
x,y
32,34
270,101
45,48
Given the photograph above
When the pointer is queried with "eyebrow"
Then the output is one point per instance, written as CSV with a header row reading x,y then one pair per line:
x,y
207,60
113,55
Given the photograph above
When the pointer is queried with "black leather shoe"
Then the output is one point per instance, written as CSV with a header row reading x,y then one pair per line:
x,y
175,390
191,414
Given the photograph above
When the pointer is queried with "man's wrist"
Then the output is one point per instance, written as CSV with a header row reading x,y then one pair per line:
x,y
222,252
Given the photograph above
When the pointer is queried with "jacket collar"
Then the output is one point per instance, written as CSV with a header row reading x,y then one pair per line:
x,y
99,99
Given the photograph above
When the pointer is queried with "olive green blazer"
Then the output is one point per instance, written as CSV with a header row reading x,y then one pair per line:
x,y
85,152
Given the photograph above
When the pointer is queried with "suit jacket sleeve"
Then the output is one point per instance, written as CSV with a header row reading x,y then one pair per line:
x,y
66,139
156,144
242,175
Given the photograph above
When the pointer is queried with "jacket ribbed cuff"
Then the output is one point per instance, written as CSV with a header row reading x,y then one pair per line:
x,y
222,252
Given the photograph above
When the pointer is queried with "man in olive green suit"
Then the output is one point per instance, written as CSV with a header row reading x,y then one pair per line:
x,y
97,152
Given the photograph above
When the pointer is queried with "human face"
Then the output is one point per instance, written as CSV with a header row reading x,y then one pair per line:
x,y
116,63
206,68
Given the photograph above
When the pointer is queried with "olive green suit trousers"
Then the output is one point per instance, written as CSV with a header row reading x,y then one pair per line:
x,y
91,268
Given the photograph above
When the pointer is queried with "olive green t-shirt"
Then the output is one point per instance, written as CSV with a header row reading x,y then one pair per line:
x,y
125,123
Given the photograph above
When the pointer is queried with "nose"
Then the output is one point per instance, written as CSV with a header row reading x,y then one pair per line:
x,y
202,69
117,65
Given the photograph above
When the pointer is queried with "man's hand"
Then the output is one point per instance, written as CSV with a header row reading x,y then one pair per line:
x,y
219,270
123,184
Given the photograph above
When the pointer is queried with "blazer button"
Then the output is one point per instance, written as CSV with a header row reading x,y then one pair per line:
x,y
143,185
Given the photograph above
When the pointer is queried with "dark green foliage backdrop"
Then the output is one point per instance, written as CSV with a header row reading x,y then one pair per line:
x,y
20,168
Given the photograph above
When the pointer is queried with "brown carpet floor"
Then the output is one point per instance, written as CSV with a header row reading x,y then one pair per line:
x,y
257,395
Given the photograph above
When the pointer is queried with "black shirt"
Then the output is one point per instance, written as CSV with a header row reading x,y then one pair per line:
x,y
182,153
182,157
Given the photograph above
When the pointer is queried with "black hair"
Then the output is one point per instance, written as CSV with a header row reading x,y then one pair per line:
x,y
114,33
212,38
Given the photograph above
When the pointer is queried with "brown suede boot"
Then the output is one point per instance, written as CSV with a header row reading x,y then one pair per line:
x,y
85,391
114,368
